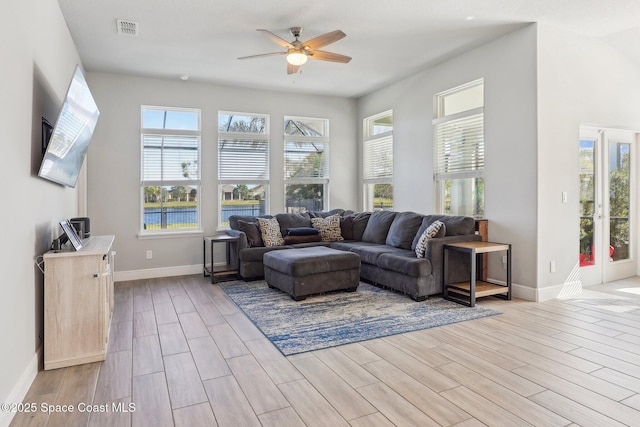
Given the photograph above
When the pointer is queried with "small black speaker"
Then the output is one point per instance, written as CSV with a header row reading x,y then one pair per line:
x,y
82,226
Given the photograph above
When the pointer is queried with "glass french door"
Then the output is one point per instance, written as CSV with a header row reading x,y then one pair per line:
x,y
607,205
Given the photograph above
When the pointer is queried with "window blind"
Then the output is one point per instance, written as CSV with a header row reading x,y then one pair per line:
x,y
170,158
306,160
243,160
459,147
378,159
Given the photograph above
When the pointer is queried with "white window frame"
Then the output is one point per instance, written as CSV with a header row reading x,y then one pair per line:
x,y
167,232
469,122
304,139
374,147
243,180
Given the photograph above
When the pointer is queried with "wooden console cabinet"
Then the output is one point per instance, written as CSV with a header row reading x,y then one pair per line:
x,y
78,303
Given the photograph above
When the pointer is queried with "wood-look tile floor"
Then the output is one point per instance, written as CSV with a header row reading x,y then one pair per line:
x,y
181,353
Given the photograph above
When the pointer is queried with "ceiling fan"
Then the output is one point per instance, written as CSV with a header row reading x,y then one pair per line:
x,y
298,52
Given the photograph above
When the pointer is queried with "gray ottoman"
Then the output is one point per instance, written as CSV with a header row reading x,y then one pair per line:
x,y
307,271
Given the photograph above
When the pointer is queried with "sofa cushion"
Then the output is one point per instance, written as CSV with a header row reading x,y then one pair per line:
x,y
360,221
329,228
324,214
378,227
233,220
457,225
403,229
369,253
426,222
436,229
270,231
405,263
252,231
292,220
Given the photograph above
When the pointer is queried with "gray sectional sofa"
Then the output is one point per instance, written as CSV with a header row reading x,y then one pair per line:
x,y
385,241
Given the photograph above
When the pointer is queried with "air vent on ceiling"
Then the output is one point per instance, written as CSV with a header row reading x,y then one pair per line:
x,y
128,28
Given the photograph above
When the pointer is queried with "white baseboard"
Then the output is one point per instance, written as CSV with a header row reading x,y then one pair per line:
x,y
152,273
523,292
560,291
19,392
543,294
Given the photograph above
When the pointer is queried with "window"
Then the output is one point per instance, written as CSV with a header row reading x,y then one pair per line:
x,y
306,164
243,165
170,169
459,150
377,150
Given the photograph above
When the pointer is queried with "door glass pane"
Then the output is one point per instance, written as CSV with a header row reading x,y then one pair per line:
x,y
587,200
619,200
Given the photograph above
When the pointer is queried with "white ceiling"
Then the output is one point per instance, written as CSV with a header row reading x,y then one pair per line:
x,y
388,40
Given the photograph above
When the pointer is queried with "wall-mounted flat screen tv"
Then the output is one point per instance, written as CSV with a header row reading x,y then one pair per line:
x,y
71,134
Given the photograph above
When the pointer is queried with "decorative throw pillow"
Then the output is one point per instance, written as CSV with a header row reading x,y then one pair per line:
x,y
432,231
290,240
270,231
437,229
329,228
252,231
302,231
346,227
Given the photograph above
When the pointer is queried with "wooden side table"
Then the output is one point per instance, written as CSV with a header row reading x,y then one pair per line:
x,y
218,272
467,292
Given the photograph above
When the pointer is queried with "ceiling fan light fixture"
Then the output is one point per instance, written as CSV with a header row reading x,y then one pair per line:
x,y
296,57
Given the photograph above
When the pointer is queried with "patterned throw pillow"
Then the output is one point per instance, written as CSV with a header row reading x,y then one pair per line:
x,y
432,231
270,230
329,228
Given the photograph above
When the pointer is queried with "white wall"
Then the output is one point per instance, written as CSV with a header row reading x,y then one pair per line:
x,y
38,61
114,160
581,81
508,66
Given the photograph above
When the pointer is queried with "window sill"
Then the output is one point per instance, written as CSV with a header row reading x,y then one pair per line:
x,y
169,234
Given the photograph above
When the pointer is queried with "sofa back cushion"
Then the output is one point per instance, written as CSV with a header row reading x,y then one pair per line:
x,y
403,229
233,220
358,224
292,220
324,214
378,227
455,225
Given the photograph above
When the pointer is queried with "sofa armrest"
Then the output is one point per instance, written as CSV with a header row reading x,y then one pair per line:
x,y
459,263
235,247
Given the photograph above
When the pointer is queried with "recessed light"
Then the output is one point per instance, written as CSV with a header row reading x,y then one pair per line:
x,y
184,77
470,18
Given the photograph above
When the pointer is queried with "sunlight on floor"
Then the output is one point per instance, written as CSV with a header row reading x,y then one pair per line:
x,y
572,285
589,295
635,291
618,308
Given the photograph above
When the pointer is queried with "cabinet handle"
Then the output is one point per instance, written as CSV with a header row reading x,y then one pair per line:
x,y
96,275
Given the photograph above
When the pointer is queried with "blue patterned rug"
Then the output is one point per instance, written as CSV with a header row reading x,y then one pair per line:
x,y
338,318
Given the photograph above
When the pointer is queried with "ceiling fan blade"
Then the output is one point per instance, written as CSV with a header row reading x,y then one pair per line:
x,y
329,56
263,55
324,40
292,69
276,39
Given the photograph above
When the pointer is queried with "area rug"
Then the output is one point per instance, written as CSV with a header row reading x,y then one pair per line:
x,y
338,318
